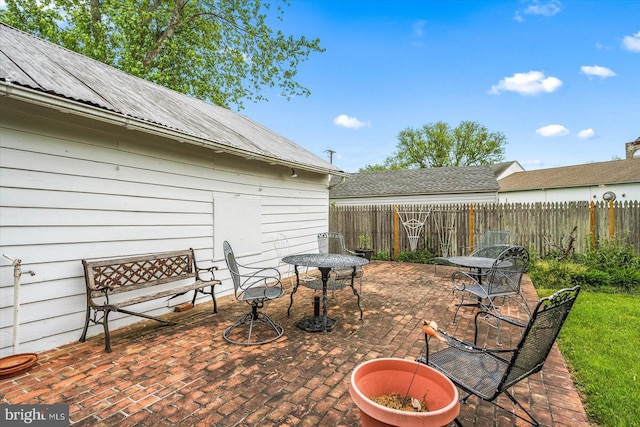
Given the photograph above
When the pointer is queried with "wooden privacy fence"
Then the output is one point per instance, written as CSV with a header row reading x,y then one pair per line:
x,y
453,229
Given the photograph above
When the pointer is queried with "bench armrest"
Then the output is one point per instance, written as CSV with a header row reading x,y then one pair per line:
x,y
207,270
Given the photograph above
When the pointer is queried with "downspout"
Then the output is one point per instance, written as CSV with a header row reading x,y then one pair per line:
x,y
342,180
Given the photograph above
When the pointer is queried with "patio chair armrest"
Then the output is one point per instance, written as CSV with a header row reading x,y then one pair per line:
x,y
485,313
460,278
353,253
507,319
471,347
259,277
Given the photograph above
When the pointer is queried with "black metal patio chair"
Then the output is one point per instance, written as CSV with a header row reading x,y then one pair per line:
x,y
503,279
488,373
253,285
487,239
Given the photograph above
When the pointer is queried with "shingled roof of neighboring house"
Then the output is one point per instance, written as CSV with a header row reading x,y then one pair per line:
x,y
460,179
506,167
613,172
35,70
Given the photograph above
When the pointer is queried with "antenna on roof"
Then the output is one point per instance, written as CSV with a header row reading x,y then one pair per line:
x,y
330,155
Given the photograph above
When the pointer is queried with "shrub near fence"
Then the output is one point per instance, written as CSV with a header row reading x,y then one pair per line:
x,y
537,226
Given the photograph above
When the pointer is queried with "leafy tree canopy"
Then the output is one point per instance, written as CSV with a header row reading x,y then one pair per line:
x,y
222,51
438,145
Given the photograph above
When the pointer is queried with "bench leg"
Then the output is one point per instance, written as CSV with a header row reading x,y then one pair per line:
x,y
105,324
83,337
213,297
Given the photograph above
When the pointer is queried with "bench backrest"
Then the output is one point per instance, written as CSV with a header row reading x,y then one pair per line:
x,y
127,274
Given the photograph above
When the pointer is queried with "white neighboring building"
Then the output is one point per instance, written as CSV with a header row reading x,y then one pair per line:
x,y
504,169
591,181
95,163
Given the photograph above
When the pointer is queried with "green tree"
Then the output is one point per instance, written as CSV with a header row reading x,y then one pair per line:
x,y
223,51
438,145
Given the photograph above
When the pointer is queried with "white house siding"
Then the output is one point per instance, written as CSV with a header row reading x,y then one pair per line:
x,y
418,199
623,192
73,188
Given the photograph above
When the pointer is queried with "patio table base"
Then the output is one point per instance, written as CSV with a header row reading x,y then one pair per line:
x,y
315,324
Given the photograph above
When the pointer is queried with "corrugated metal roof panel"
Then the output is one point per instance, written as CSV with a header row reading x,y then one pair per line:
x,y
33,57
37,64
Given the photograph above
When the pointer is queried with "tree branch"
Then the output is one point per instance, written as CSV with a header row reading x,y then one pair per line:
x,y
168,32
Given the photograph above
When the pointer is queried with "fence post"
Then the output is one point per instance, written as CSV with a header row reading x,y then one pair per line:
x,y
612,220
592,223
396,233
472,227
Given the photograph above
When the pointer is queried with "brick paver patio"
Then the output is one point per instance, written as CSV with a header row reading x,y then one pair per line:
x,y
187,374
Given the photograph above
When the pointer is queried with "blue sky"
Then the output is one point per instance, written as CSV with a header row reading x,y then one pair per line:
x,y
561,79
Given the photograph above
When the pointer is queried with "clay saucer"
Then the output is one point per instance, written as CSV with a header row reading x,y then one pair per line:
x,y
17,363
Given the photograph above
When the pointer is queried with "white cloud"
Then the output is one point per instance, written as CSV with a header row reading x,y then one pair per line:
x,y
537,7
632,43
552,130
549,8
349,122
418,28
597,70
586,133
531,83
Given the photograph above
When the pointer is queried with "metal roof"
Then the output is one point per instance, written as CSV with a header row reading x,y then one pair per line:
x,y
29,62
460,179
590,174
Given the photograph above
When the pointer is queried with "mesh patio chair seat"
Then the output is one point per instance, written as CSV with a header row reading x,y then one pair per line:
x,y
503,279
489,373
255,286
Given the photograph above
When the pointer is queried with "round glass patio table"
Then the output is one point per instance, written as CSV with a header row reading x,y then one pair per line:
x,y
324,263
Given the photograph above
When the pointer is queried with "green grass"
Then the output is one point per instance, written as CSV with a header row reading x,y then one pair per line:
x,y
601,343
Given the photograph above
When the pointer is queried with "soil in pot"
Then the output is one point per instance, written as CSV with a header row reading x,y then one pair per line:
x,y
402,403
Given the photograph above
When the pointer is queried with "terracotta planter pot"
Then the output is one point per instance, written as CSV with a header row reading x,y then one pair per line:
x,y
380,377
